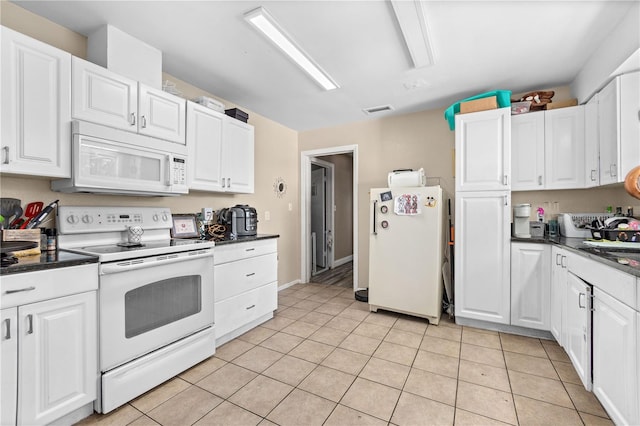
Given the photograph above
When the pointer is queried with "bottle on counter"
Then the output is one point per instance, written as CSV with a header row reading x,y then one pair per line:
x,y
43,239
52,239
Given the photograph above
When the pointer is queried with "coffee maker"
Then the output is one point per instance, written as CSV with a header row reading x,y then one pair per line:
x,y
521,213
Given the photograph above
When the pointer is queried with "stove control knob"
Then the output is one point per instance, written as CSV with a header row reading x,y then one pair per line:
x,y
72,219
155,217
87,219
165,218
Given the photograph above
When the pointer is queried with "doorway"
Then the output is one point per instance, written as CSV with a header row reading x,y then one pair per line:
x,y
310,248
322,215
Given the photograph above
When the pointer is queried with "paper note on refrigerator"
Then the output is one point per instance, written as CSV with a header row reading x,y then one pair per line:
x,y
407,204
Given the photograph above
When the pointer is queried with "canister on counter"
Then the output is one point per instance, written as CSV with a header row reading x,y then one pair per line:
x,y
52,239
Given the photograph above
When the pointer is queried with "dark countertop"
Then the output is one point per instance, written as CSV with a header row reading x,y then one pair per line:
x,y
47,260
607,256
245,239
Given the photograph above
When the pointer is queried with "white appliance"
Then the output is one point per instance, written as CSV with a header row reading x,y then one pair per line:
x,y
401,178
521,213
111,161
156,310
406,251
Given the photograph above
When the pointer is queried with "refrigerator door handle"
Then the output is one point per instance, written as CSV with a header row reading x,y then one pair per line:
x,y
375,210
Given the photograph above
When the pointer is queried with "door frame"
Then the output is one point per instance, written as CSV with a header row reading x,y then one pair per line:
x,y
329,203
305,207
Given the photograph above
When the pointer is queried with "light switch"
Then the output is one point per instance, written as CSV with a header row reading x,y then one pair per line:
x,y
290,207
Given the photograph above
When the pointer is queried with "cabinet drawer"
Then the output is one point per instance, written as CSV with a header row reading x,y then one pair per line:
x,y
239,310
618,284
239,251
233,278
30,287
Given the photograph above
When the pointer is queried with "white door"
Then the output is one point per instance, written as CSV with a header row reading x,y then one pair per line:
x,y
9,367
483,150
614,358
238,156
103,97
591,149
578,327
527,151
204,142
558,293
161,114
482,253
564,148
318,218
530,285
58,364
36,107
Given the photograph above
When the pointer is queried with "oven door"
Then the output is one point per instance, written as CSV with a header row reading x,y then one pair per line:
x,y
150,302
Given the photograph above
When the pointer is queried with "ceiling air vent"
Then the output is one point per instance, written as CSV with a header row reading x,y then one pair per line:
x,y
377,109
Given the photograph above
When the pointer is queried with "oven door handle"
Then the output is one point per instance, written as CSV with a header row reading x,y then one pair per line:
x,y
132,265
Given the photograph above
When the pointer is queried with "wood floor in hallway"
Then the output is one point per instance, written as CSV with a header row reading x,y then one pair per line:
x,y
340,276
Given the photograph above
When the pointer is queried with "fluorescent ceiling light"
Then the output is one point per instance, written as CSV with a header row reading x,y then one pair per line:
x,y
264,22
413,23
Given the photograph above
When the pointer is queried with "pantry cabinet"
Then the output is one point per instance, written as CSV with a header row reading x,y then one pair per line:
x,y
36,107
246,286
221,151
104,97
619,127
530,285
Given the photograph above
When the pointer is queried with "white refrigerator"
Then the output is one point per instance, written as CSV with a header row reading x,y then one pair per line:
x,y
406,251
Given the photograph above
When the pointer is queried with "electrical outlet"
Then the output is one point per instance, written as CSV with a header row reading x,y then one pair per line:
x,y
267,215
290,207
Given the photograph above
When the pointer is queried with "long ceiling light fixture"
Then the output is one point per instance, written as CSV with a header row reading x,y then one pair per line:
x,y
267,25
413,23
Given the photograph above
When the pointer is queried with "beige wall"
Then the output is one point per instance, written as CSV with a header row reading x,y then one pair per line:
x,y
343,201
276,157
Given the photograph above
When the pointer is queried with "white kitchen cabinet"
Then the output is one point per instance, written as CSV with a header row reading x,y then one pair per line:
x,y
527,151
482,251
221,151
36,107
104,97
558,293
564,148
483,150
9,367
619,127
246,286
615,359
591,142
577,325
530,285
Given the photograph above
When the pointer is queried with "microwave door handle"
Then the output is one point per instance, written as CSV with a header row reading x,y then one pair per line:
x,y
168,178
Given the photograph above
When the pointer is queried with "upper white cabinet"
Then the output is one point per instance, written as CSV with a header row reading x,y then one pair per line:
x,y
530,285
221,151
36,107
483,150
104,97
564,148
591,141
527,151
619,127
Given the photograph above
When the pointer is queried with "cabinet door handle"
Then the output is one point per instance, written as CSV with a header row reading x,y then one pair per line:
x,y
6,154
228,182
539,179
251,274
593,175
20,290
29,324
558,261
250,307
613,170
7,333
580,299
562,262
132,119
506,202
143,121
250,249
505,180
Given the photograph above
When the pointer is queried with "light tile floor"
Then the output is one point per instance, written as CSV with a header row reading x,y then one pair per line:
x,y
325,359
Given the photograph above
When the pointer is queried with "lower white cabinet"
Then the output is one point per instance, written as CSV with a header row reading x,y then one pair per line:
x,y
558,293
245,286
615,358
577,326
49,359
530,285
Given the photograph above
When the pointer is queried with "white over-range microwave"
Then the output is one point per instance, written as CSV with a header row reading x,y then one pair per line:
x,y
111,161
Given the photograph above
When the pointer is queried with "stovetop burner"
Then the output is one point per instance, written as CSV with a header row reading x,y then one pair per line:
x,y
130,245
7,259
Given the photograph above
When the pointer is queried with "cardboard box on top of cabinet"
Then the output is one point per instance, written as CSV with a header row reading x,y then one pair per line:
x,y
482,104
561,104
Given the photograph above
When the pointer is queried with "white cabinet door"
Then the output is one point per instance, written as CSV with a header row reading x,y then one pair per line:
x,y
36,107
564,148
608,131
161,114
578,327
103,97
558,293
9,367
58,365
204,142
527,151
615,358
591,148
530,285
238,156
483,150
482,253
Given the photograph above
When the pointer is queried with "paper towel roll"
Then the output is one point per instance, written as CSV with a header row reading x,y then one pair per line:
x,y
406,178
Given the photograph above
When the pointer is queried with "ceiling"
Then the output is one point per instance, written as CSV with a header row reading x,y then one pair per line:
x,y
479,46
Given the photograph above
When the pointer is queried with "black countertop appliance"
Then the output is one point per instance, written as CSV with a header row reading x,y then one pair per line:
x,y
240,220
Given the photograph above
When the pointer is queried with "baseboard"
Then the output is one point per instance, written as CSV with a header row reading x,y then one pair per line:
x,y
287,285
342,261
